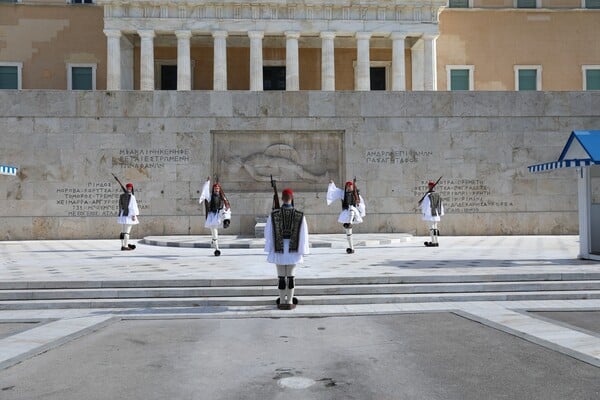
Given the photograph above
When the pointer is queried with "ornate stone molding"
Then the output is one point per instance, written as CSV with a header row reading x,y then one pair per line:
x,y
329,10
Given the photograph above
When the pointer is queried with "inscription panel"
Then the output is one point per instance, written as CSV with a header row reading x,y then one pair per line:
x,y
462,196
151,158
403,156
96,199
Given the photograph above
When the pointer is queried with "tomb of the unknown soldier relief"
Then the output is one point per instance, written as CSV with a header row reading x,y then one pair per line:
x,y
392,93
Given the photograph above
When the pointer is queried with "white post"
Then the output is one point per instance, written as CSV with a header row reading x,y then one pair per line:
x,y
256,60
584,195
398,64
363,64
430,62
220,60
327,61
184,74
292,69
146,59
113,57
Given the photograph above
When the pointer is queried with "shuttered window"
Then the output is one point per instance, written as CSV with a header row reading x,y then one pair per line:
x,y
592,3
459,4
459,79
592,79
81,78
527,79
9,77
526,4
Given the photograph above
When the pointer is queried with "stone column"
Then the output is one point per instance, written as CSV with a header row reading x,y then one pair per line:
x,y
327,61
146,59
362,74
113,58
398,64
220,60
430,67
256,60
184,74
292,70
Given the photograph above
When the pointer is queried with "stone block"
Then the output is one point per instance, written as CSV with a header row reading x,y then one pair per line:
x,y
321,104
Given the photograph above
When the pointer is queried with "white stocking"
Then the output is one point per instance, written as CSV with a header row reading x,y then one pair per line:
x,y
349,238
215,238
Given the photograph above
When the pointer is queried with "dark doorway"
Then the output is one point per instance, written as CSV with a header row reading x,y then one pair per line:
x,y
168,77
377,78
273,78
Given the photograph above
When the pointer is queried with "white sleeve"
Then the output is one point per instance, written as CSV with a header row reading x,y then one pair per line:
x,y
133,207
205,194
425,206
333,193
362,206
269,236
303,243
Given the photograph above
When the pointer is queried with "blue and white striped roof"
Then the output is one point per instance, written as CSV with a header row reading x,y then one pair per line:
x,y
582,149
8,170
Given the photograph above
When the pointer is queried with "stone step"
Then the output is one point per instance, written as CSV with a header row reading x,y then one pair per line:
x,y
312,300
356,280
302,290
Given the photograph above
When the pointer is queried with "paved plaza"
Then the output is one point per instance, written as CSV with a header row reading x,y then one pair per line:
x,y
411,349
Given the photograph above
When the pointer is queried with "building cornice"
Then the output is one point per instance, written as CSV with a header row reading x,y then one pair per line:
x,y
273,10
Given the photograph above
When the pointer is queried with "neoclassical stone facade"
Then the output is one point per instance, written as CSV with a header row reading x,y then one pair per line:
x,y
393,24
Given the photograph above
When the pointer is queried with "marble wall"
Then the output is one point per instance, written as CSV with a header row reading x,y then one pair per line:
x,y
67,145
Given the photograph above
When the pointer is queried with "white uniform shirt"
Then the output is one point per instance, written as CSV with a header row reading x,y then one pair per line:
x,y
213,219
133,211
334,193
426,210
286,258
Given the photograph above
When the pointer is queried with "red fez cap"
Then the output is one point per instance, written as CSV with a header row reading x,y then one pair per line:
x,y
287,192
129,185
431,183
350,183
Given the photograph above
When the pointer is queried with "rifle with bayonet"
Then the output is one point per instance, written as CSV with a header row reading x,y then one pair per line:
x,y
355,192
275,195
429,190
222,192
121,184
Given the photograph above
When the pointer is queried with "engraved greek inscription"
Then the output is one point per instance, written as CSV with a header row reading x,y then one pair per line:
x,y
396,157
463,196
150,158
96,199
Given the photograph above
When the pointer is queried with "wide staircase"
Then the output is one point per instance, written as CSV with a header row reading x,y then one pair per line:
x,y
315,291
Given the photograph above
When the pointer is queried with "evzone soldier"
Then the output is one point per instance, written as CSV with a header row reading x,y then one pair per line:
x,y
218,211
128,215
432,208
353,208
286,242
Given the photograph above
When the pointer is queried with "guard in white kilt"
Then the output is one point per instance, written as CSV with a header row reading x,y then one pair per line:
x,y
286,242
353,208
128,216
218,211
432,209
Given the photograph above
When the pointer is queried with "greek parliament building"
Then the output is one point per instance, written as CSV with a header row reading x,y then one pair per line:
x,y
164,93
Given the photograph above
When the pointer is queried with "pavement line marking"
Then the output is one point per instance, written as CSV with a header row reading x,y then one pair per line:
x,y
567,341
23,345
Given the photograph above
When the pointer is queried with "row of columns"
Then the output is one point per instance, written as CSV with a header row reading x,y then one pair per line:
x,y
362,72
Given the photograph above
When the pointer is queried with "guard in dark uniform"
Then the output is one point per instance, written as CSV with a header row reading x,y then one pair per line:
x,y
286,242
